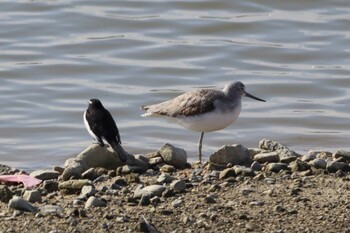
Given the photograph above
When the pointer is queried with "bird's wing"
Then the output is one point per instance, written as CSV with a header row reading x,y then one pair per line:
x,y
187,104
109,125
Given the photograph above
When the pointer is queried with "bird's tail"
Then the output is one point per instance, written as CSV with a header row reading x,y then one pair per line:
x,y
119,150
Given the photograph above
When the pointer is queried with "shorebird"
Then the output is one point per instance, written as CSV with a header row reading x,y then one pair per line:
x,y
100,124
203,110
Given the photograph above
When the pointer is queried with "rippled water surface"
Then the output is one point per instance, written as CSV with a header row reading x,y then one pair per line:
x,y
55,55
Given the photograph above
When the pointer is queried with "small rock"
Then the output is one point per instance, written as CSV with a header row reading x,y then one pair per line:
x,y
226,173
50,186
87,191
177,203
178,185
257,203
145,199
45,174
73,185
154,190
311,155
299,165
73,169
256,166
165,178
174,156
132,178
246,191
252,226
210,199
343,154
243,171
267,157
335,166
5,194
51,209
279,208
101,178
276,167
21,204
121,182
90,174
235,154
318,163
32,196
94,202
167,168
155,161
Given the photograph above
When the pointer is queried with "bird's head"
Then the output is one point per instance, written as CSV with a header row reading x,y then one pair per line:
x,y
95,103
238,89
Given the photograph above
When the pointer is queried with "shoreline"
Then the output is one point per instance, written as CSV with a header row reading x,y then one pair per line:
x,y
265,189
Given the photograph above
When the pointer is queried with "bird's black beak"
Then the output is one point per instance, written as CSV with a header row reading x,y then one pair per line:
x,y
253,97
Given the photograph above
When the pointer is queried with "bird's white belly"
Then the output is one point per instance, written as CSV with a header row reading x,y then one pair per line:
x,y
210,121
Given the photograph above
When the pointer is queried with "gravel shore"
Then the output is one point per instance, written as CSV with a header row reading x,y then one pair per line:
x,y
199,198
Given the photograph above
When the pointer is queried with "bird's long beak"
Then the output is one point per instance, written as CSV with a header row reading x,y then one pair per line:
x,y
253,97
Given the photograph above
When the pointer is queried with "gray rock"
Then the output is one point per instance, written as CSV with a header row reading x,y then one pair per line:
x,y
318,163
244,171
18,203
101,178
311,155
255,151
256,166
87,191
94,202
178,185
98,156
235,154
50,186
276,167
145,199
154,190
156,161
335,166
167,168
342,154
73,185
165,178
299,166
177,203
173,156
5,194
90,174
51,209
269,157
226,173
45,174
73,168
283,151
32,196
210,199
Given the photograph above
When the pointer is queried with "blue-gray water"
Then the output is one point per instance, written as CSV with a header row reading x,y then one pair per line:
x,y
55,55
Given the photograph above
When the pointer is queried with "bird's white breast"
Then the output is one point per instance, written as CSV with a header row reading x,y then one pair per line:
x,y
210,121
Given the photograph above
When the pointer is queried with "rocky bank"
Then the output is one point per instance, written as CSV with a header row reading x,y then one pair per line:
x,y
266,189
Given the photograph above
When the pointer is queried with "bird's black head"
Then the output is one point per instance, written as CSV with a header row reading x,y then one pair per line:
x,y
95,103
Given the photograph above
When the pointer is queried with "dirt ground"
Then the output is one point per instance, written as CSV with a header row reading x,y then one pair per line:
x,y
283,202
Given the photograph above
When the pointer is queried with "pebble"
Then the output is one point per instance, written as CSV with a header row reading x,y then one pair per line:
x,y
318,163
335,166
32,196
246,191
73,185
5,194
177,203
174,156
226,173
154,190
50,186
45,174
90,174
257,203
311,155
299,165
145,199
236,154
94,202
243,171
18,203
251,226
270,180
51,209
87,191
165,178
276,167
256,166
178,185
210,199
269,157
167,168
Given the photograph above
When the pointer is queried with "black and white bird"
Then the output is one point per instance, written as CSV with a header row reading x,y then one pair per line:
x,y
100,124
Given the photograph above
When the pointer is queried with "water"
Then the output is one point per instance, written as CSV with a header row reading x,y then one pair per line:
x,y
55,55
